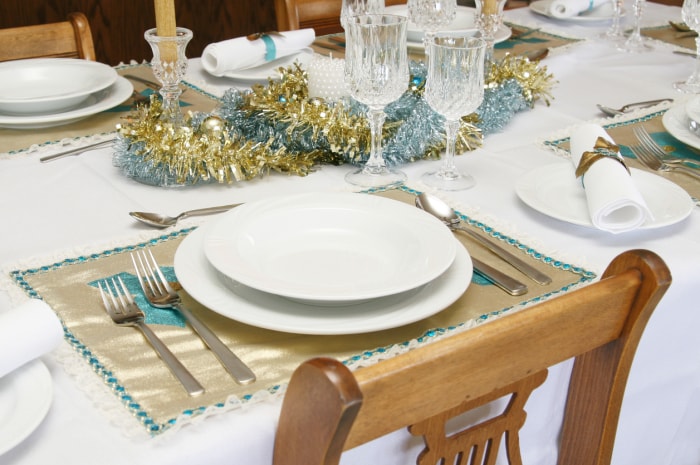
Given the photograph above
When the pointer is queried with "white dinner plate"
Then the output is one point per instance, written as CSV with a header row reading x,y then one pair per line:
x,y
676,122
463,23
330,247
269,69
554,191
241,303
601,13
95,103
25,397
50,85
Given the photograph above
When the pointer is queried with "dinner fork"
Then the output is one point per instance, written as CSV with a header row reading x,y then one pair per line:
x,y
121,307
162,295
652,162
647,141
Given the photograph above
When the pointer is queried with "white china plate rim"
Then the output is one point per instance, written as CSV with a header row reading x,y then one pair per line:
x,y
25,397
563,198
541,7
676,121
331,246
102,100
503,33
269,69
58,83
246,305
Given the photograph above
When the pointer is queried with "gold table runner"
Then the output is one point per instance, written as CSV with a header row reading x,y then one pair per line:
x,y
622,133
123,360
105,122
669,35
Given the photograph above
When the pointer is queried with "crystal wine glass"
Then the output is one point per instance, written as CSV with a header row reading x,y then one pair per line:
x,y
454,88
376,74
691,16
635,43
431,15
359,7
615,32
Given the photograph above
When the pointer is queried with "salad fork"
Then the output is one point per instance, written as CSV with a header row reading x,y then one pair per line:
x,y
650,144
161,294
651,161
123,310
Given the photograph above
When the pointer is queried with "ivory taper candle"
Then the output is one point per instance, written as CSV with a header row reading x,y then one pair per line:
x,y
490,7
166,27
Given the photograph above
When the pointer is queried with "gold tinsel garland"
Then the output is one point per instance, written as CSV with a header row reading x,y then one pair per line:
x,y
208,149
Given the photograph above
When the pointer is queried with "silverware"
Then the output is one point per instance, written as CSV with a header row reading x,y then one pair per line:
x,y
160,294
511,285
447,215
122,309
646,140
651,161
163,221
686,53
76,151
631,106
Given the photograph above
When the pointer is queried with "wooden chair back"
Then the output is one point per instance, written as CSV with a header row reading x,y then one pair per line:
x,y
328,409
67,39
321,15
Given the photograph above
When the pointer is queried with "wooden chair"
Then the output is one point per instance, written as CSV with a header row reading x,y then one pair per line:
x,y
321,15
69,39
328,409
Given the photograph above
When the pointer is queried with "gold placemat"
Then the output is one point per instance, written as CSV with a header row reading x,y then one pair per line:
x,y
622,133
124,361
522,41
16,140
669,35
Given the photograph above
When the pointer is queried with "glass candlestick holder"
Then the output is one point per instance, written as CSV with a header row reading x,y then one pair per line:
x,y
489,19
169,65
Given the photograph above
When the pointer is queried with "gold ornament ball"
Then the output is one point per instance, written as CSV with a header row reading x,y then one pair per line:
x,y
213,126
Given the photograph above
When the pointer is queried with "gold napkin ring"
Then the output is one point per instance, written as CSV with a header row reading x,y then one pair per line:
x,y
602,149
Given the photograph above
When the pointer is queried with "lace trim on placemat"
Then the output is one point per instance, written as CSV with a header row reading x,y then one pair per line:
x,y
104,389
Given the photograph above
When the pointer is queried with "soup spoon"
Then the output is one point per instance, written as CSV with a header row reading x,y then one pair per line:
x,y
158,220
447,215
630,106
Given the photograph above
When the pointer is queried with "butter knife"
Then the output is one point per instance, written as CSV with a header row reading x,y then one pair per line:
x,y
511,285
76,151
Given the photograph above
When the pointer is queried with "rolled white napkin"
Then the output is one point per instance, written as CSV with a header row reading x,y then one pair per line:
x,y
241,53
27,332
614,202
571,8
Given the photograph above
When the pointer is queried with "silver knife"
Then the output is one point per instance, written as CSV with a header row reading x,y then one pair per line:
x,y
511,285
76,151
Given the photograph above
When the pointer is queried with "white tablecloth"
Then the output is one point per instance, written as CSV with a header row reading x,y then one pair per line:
x,y
72,203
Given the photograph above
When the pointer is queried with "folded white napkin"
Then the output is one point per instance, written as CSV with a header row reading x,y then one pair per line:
x,y
570,8
614,203
241,53
27,332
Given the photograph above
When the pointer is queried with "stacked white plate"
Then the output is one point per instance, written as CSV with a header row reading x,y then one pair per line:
x,y
324,263
677,121
45,92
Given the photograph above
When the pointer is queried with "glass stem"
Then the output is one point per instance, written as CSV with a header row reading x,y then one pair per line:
x,y
615,29
448,168
376,162
696,73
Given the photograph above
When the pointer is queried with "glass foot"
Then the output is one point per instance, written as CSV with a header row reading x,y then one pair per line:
x,y
635,45
376,177
687,87
448,181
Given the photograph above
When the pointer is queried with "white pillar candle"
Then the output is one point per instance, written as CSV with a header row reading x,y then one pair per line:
x,y
326,77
